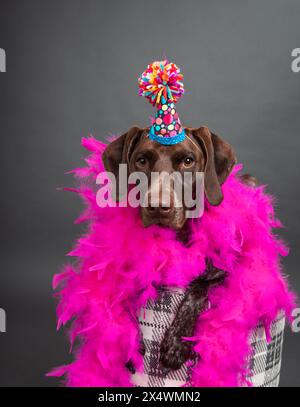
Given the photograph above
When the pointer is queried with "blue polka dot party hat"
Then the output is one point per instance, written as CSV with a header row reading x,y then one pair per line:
x,y
161,83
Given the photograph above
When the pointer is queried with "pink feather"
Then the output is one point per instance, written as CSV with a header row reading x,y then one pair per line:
x,y
237,236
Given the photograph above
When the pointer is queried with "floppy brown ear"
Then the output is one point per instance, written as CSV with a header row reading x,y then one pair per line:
x,y
220,159
119,150
225,157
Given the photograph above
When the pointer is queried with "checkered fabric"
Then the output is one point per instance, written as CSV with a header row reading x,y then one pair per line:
x,y
265,362
158,315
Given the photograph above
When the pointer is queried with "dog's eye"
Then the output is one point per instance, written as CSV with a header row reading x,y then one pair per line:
x,y
188,161
141,161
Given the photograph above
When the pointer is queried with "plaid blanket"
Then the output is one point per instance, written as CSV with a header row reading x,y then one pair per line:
x,y
157,316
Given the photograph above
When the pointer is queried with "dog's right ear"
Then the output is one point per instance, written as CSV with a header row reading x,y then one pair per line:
x,y
120,150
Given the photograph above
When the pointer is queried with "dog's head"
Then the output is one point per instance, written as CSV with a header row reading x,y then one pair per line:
x,y
201,151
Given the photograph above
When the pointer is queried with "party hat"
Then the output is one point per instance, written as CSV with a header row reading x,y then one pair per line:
x,y
161,83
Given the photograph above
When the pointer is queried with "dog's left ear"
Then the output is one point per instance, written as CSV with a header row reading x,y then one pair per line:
x,y
119,151
220,159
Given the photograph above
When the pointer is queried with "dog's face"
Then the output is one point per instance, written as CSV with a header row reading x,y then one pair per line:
x,y
201,151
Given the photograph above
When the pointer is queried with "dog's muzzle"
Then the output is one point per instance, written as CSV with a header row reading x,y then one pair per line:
x,y
161,205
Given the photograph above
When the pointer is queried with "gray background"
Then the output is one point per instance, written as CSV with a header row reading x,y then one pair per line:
x,y
72,69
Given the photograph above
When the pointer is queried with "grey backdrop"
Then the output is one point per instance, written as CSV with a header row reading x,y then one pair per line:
x,y
72,69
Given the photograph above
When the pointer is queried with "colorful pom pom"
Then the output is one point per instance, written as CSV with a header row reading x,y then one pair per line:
x,y
161,82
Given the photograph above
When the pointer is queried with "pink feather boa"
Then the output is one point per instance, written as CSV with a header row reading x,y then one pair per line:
x,y
119,260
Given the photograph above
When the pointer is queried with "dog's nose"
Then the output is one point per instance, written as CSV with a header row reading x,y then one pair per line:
x,y
161,210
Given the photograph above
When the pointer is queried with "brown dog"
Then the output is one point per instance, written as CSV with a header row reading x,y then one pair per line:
x,y
201,151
